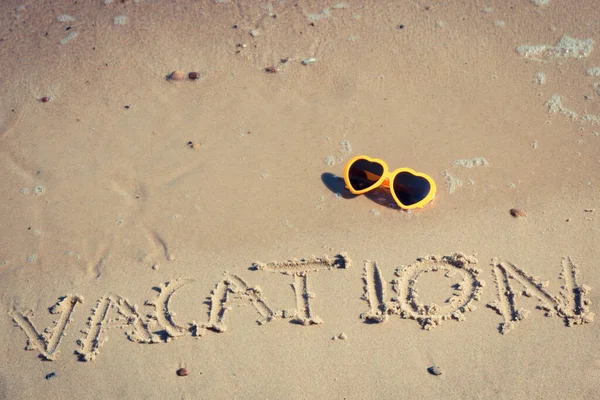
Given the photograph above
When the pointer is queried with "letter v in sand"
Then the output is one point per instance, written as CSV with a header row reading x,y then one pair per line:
x,y
48,341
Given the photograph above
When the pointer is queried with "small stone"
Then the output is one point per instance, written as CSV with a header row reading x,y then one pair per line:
x,y
176,75
182,372
45,99
50,375
271,70
434,370
196,146
309,61
342,336
254,33
515,212
194,75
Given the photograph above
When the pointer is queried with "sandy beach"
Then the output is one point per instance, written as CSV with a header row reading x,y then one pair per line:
x,y
175,222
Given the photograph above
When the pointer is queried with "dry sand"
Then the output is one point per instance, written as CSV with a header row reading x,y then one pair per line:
x,y
125,196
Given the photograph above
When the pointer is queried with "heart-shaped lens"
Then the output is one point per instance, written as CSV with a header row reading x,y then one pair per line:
x,y
410,189
363,174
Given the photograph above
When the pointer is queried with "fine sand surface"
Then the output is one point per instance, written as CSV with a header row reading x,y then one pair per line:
x,y
149,225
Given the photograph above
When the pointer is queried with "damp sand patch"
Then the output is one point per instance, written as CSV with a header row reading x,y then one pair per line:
x,y
593,71
554,105
471,162
567,47
454,182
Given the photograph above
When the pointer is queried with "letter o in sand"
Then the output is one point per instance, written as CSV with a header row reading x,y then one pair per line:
x,y
465,292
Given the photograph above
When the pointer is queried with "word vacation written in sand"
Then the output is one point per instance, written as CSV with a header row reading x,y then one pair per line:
x,y
570,304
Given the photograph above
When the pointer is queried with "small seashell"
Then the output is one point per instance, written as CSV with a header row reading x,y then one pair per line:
x,y
176,75
515,212
434,370
182,372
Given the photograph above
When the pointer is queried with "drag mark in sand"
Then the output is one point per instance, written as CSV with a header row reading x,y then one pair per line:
x,y
233,289
465,292
303,314
47,342
571,304
163,244
375,288
99,321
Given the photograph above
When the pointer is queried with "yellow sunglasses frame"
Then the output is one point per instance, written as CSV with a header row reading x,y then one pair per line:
x,y
388,177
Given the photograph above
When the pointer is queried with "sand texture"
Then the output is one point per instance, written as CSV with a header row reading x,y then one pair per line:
x,y
175,223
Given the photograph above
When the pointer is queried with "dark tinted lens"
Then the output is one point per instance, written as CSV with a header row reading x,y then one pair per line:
x,y
364,174
410,189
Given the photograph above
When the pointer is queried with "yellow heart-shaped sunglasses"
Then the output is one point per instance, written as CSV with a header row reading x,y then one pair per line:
x,y
409,189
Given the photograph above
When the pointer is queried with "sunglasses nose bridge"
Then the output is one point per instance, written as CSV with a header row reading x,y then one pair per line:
x,y
386,183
